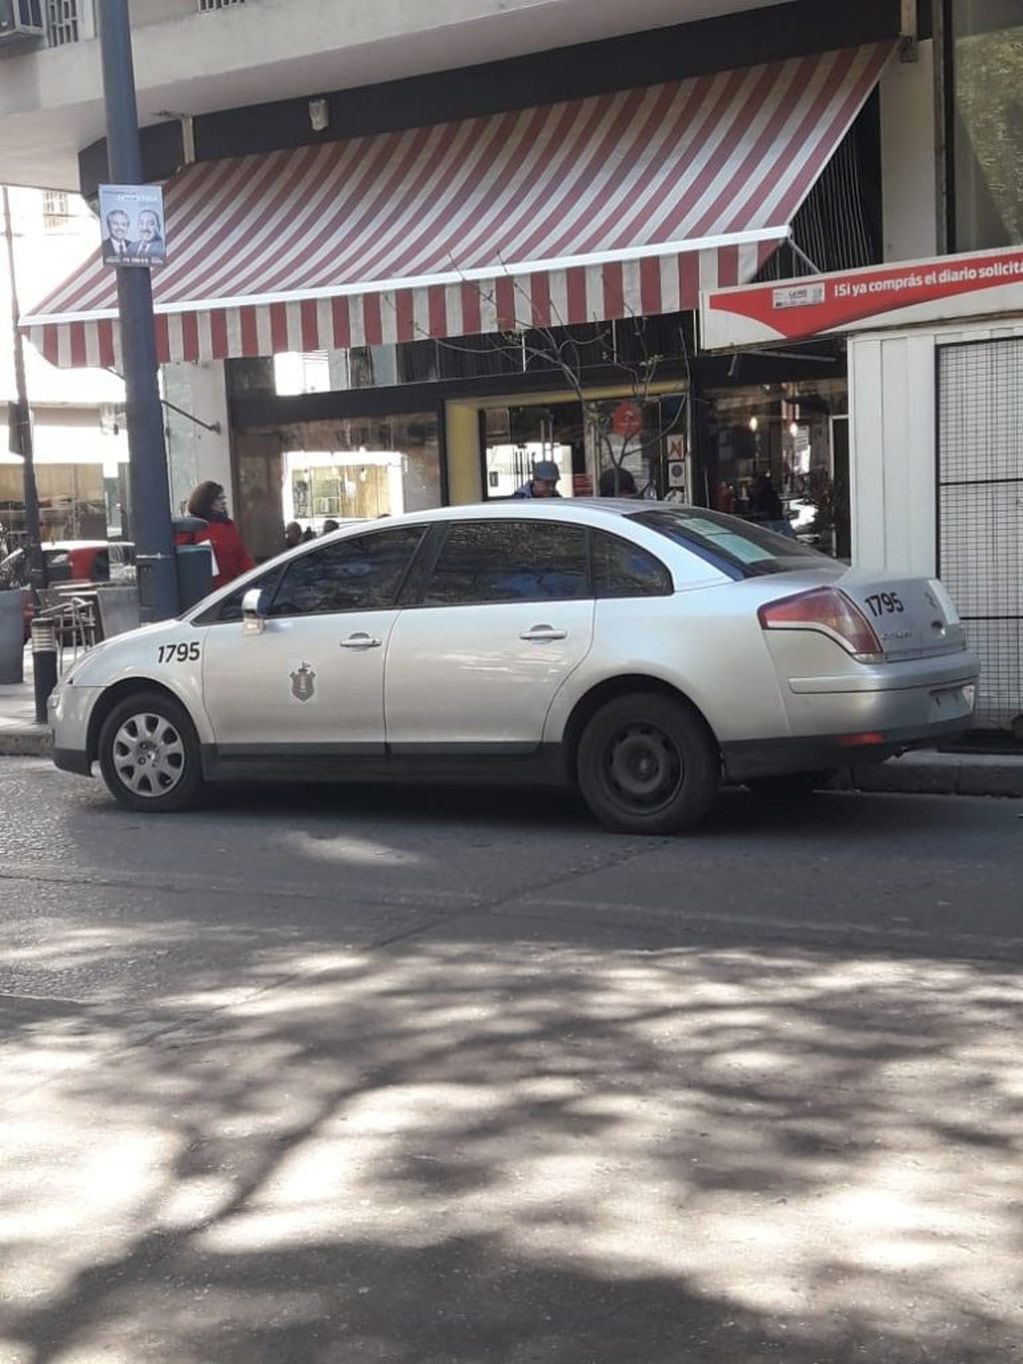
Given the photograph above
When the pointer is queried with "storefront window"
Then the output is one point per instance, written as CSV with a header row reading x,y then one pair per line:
x,y
519,437
986,42
72,503
379,467
780,452
639,439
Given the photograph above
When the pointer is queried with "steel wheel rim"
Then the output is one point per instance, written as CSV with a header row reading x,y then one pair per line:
x,y
643,768
148,755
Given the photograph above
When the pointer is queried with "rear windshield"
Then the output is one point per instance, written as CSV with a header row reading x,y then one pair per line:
x,y
738,548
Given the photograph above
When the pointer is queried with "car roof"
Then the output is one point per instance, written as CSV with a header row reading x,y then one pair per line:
x,y
540,508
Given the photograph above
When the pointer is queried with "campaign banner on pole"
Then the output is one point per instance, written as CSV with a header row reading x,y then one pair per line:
x,y
131,217
914,292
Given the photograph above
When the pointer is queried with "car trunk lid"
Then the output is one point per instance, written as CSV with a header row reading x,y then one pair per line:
x,y
912,617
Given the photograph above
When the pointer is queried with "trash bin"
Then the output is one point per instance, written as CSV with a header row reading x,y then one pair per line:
x,y
195,561
12,636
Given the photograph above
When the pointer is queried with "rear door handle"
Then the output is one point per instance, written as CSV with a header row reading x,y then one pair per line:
x,y
361,641
543,632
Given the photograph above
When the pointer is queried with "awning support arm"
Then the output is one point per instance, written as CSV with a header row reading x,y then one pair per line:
x,y
206,426
798,251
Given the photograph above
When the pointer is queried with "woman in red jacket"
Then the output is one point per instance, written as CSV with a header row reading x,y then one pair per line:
x,y
209,501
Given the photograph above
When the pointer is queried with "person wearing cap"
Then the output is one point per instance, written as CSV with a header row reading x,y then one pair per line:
x,y
544,482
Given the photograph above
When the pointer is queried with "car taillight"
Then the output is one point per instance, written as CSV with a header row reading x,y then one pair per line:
x,y
828,610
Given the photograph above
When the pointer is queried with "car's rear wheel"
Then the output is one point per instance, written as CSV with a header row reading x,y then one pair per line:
x,y
791,785
648,765
149,754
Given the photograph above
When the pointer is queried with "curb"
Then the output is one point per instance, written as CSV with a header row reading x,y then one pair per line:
x,y
943,774
25,741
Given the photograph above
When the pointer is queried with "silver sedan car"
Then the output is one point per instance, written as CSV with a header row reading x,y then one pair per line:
x,y
643,652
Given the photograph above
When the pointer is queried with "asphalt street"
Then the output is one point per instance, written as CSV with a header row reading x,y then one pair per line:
x,y
322,1076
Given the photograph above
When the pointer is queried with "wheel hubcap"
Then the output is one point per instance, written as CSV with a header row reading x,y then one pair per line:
x,y
148,755
643,767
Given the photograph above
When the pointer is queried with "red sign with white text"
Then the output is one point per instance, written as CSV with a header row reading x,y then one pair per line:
x,y
937,290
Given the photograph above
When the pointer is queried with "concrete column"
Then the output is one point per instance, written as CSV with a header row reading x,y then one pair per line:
x,y
195,453
463,453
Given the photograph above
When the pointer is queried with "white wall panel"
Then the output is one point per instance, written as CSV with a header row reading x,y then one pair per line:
x,y
909,188
893,442
866,452
892,478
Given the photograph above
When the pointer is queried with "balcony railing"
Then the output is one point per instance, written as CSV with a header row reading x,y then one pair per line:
x,y
64,21
71,21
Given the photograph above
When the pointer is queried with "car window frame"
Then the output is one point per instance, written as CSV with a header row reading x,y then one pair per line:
x,y
438,538
346,540
269,570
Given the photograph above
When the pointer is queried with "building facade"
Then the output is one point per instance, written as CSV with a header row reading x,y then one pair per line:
x,y
79,442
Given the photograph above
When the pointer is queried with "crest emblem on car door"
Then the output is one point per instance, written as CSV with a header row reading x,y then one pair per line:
x,y
303,683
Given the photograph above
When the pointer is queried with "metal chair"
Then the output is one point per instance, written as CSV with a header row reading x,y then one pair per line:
x,y
75,625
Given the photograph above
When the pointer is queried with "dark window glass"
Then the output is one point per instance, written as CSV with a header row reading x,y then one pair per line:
x,y
472,357
735,547
622,569
358,574
14,569
230,607
493,561
58,566
986,39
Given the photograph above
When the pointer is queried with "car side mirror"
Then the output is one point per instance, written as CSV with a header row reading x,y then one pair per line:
x,y
253,614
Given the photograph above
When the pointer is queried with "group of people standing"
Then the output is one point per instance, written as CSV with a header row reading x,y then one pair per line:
x,y
613,482
208,503
295,535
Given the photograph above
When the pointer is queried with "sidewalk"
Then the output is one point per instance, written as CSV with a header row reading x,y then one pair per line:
x,y
925,772
19,734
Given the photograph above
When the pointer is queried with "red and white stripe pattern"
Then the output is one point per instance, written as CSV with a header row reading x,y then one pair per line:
x,y
617,205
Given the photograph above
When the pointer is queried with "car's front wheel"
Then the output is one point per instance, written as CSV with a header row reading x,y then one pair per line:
x,y
648,765
149,754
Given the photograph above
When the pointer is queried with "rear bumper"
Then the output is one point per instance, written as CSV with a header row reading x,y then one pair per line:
x,y
823,753
862,720
913,702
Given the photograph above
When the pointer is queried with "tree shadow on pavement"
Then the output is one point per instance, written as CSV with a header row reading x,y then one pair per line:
x,y
456,1151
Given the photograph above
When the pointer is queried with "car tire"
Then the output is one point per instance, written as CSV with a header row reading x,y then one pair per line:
x,y
791,785
648,765
149,754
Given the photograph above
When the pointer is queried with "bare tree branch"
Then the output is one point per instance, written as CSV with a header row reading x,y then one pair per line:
x,y
557,348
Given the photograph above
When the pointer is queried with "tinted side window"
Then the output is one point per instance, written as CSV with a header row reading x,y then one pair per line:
x,y
492,561
359,574
622,569
230,607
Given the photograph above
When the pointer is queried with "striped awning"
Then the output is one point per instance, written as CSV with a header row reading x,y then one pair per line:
x,y
625,204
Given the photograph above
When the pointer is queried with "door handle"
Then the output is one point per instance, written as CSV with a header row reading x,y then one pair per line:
x,y
360,641
543,632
